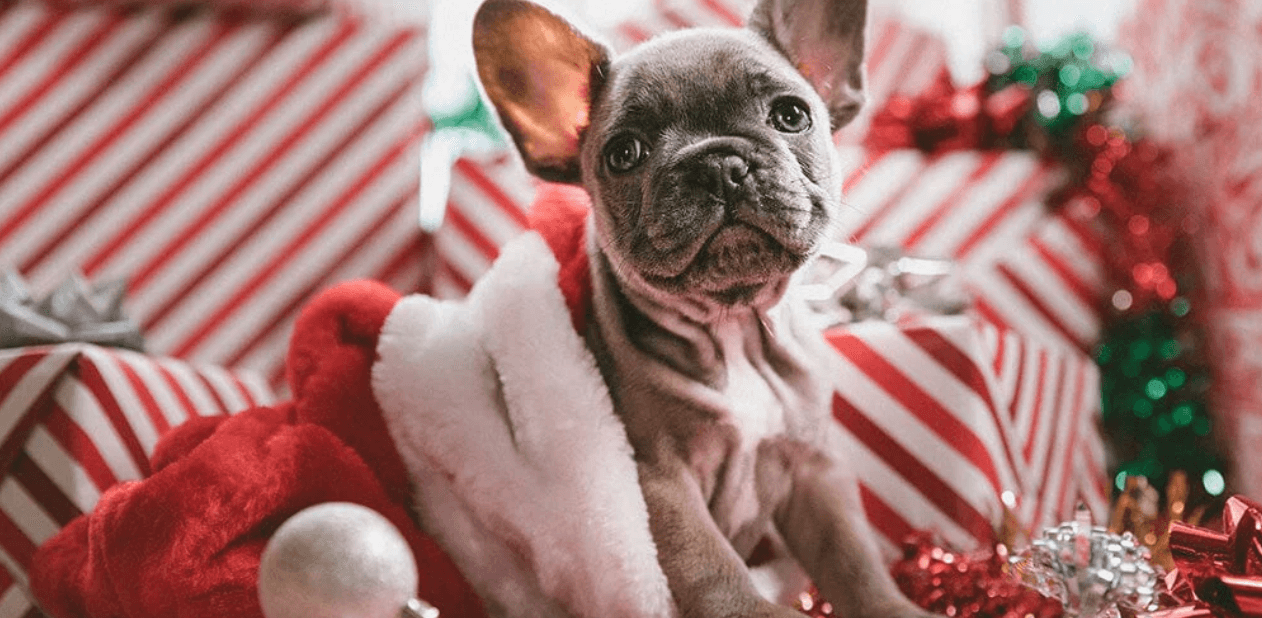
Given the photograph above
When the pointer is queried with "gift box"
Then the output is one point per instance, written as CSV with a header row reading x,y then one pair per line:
x,y
963,428
76,419
487,207
228,163
1027,268
287,8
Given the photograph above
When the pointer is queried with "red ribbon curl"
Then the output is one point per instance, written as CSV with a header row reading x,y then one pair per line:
x,y
1218,574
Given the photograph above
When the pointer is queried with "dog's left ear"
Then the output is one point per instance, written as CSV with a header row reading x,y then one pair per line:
x,y
541,74
824,40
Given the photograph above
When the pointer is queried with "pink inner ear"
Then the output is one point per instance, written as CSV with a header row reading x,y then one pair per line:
x,y
538,71
556,111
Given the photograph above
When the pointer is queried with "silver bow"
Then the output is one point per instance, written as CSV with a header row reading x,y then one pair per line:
x,y
71,312
1094,573
847,284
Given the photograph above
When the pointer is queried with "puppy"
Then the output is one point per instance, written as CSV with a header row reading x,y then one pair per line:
x,y
709,159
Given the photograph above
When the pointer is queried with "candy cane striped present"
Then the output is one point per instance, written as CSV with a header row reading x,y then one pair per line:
x,y
953,424
77,419
487,207
1028,269
228,166
294,8
283,9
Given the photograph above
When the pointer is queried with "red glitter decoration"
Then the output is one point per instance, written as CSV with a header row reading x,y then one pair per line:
x,y
957,585
946,118
1132,192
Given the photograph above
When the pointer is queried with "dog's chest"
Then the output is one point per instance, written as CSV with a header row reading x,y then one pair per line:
x,y
755,408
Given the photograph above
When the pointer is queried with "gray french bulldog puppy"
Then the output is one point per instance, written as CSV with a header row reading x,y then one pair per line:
x,y
708,155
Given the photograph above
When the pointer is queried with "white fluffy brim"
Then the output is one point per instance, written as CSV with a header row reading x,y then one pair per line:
x,y
521,469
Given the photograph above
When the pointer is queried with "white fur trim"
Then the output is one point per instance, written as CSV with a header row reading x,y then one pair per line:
x,y
522,471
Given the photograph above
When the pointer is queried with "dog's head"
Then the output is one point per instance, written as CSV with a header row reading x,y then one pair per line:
x,y
708,152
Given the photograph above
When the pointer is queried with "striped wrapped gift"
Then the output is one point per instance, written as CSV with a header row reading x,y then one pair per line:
x,y
1039,273
286,8
959,427
76,419
228,165
487,207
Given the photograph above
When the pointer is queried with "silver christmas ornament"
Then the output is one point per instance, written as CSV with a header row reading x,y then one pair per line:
x,y
339,560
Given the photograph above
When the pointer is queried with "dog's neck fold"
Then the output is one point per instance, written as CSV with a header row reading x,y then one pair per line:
x,y
695,336
742,366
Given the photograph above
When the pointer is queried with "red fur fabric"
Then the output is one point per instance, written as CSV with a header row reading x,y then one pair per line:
x,y
560,216
186,541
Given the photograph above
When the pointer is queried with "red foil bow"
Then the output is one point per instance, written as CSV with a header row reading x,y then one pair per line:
x,y
1217,574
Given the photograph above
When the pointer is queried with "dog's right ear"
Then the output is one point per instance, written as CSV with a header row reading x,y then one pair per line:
x,y
541,75
824,40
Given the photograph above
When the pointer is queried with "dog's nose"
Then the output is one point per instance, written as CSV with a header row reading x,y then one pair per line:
x,y
722,174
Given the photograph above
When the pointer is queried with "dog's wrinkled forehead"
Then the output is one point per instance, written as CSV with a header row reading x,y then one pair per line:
x,y
697,79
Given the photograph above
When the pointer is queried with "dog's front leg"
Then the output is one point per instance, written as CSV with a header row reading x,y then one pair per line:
x,y
706,576
818,514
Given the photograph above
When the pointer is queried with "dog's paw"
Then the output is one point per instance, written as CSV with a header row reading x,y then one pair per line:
x,y
788,467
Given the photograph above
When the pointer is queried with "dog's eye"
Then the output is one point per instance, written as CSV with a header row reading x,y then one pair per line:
x,y
625,153
790,115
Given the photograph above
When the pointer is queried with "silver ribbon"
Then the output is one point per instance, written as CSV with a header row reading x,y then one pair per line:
x,y
1094,573
848,284
71,312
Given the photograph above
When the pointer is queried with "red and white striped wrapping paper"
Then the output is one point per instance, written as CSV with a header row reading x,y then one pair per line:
x,y
14,602
289,8
487,207
901,59
948,415
283,9
76,419
228,166
1030,270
